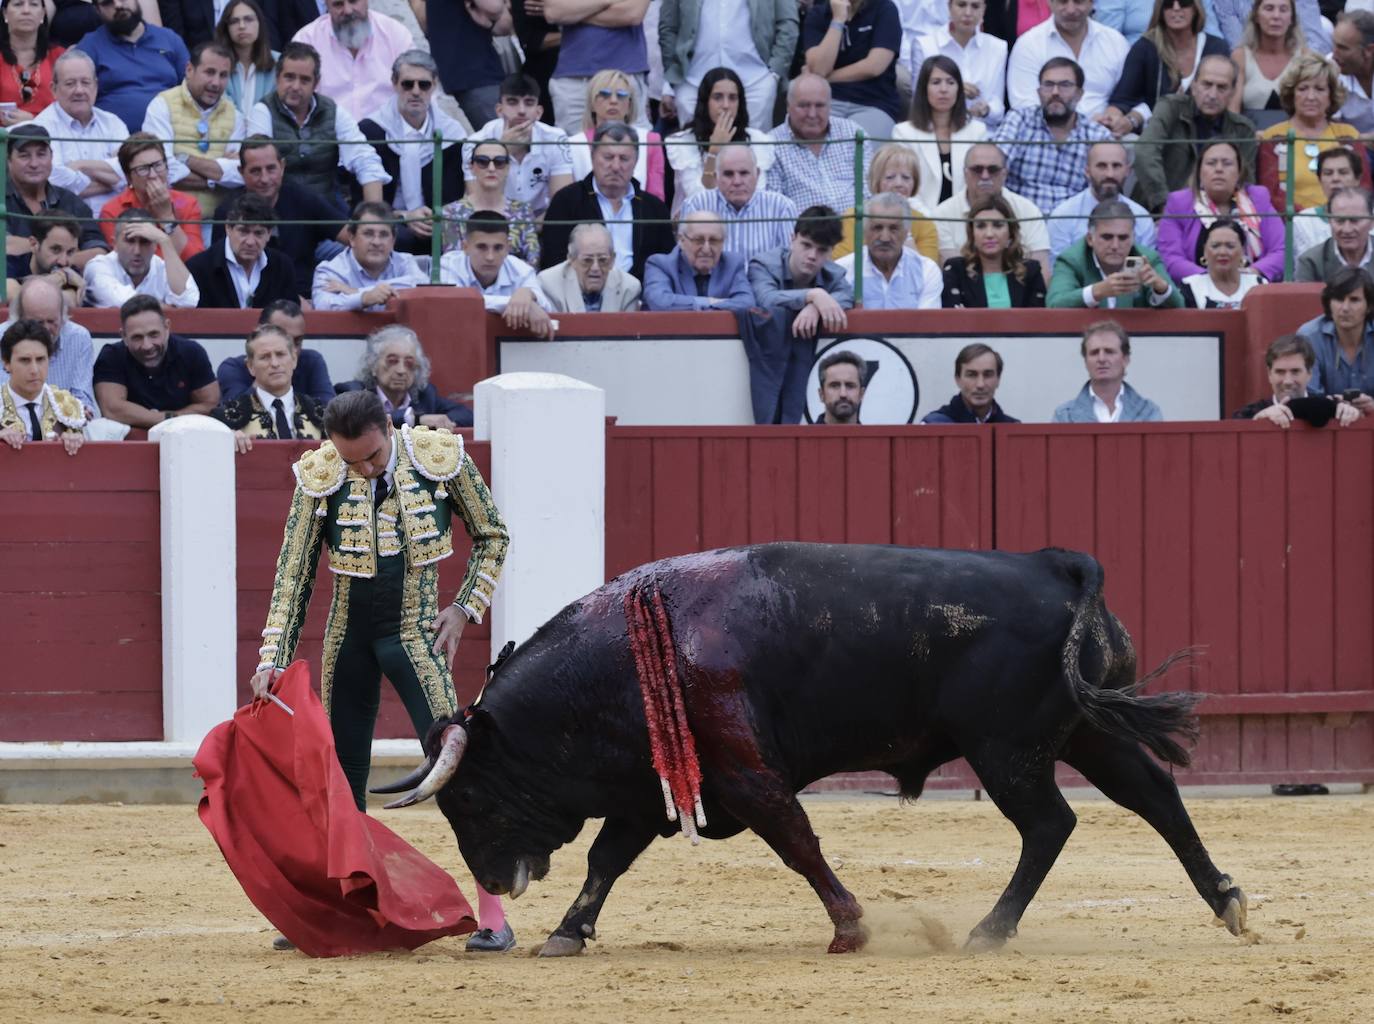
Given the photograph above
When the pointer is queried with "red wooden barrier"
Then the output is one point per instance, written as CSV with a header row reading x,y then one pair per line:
x,y
80,595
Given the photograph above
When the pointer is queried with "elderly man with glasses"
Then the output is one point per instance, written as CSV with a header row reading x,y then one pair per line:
x,y
588,281
144,163
698,274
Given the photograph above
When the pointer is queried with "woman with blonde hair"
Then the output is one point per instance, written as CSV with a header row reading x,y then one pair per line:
x,y
1271,42
613,96
1311,92
895,168
1162,61
991,271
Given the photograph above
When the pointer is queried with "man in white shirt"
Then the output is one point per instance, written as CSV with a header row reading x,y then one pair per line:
x,y
541,162
272,408
985,174
369,273
1352,48
982,58
85,139
1106,397
134,268
894,277
1337,167
1109,165
508,284
1068,32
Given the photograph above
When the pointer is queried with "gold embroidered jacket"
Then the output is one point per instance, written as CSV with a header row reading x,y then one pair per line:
x,y
333,505
58,412
247,414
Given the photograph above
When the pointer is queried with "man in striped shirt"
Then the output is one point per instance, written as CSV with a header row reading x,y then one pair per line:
x,y
755,220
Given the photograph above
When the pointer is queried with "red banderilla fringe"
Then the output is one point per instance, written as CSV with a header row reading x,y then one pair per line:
x,y
665,709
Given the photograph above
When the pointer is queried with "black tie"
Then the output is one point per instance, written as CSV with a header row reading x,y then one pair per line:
x,y
34,425
283,427
381,491
703,283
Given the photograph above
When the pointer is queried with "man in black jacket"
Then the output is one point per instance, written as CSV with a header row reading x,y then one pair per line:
x,y
244,271
638,222
396,368
977,371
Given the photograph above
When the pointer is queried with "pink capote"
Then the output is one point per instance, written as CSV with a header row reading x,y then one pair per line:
x,y
331,879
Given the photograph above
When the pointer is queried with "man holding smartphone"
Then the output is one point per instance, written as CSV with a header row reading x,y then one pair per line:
x,y
1342,339
1107,269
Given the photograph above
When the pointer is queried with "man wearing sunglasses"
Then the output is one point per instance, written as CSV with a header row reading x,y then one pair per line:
x,y
134,61
200,126
985,174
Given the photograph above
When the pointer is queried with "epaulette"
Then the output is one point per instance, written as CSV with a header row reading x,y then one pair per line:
x,y
68,409
236,413
435,454
320,473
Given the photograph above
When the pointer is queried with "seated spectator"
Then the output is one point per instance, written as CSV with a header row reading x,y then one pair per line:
x,y
1109,165
721,119
1162,61
30,194
698,273
134,59
308,225
756,219
324,136
985,175
894,276
1108,269
85,140
637,220
612,97
1343,340
802,280
507,283
402,132
1351,216
977,373
814,162
1225,281
992,271
1217,192
1232,17
854,46
27,55
541,161
73,354
151,375
145,167
396,368
31,409
1107,398
842,376
1337,167
244,271
273,409
244,31
134,268
53,246
1047,145
1269,45
357,48
1290,361
1068,32
895,168
486,190
1162,163
311,375
979,57
1311,93
588,281
368,274
198,108
940,129
1352,48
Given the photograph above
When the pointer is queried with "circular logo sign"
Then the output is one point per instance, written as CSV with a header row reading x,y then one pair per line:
x,y
892,392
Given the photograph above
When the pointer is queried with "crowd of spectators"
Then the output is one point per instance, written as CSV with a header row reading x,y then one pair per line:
x,y
615,155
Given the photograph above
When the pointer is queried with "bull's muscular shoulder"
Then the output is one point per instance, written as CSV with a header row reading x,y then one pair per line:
x,y
436,454
320,473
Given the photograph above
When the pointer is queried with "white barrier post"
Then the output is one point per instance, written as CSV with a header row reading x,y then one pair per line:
x,y
199,577
548,476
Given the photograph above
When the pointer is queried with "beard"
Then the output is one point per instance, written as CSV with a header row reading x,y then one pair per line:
x,y
1108,190
127,24
1058,116
352,34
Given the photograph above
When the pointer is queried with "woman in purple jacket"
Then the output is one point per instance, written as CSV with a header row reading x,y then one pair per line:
x,y
1217,192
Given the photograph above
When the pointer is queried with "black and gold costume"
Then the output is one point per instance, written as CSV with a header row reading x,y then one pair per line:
x,y
386,581
247,414
59,412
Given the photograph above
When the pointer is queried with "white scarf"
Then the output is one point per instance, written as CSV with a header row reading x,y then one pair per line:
x,y
414,156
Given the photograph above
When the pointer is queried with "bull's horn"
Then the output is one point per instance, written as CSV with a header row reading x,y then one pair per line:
x,y
455,740
409,782
522,878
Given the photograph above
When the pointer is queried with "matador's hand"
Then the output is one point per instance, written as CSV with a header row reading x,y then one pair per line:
x,y
449,625
262,681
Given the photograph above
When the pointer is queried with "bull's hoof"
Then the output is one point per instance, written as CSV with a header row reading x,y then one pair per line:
x,y
1233,910
849,940
984,940
562,945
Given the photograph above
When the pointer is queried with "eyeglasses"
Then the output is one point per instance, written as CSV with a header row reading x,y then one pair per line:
x,y
148,170
1347,221
1068,85
594,261
423,84
620,94
489,161
984,170
28,81
203,129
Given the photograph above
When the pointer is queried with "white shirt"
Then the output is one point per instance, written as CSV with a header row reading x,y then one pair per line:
x,y
455,268
108,284
21,408
1102,57
953,212
916,282
288,403
72,140
158,121
983,62
620,225
409,190
725,39
245,281
528,180
582,156
1100,407
1309,228
1358,108
918,17
356,155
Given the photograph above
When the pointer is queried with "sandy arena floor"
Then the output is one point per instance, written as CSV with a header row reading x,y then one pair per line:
x,y
129,912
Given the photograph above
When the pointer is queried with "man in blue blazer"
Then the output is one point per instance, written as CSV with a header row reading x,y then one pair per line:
x,y
698,273
1107,398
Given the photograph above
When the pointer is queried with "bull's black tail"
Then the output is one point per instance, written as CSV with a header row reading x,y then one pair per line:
x,y
1159,721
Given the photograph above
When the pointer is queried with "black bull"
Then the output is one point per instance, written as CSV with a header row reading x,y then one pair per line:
x,y
799,661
